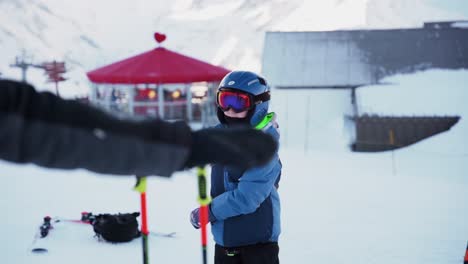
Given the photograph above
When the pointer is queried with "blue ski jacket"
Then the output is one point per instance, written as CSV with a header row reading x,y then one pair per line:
x,y
246,204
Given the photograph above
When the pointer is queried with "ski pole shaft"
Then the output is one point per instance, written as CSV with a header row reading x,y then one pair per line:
x,y
141,188
144,219
204,201
203,213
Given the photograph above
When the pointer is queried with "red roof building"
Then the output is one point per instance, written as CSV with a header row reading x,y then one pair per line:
x,y
152,71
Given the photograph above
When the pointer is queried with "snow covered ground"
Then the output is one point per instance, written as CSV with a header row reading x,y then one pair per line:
x,y
410,206
375,208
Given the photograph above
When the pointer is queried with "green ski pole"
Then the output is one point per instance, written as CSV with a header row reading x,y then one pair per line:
x,y
204,201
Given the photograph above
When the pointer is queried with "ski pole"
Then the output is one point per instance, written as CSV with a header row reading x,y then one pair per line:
x,y
204,201
141,188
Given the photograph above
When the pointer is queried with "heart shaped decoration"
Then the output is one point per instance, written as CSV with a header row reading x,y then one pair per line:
x,y
159,37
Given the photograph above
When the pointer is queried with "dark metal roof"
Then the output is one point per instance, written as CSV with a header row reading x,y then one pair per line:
x,y
360,57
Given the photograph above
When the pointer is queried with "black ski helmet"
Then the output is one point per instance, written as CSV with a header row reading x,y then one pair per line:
x,y
251,83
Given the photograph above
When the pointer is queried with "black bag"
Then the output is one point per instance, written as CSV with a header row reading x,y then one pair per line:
x,y
116,227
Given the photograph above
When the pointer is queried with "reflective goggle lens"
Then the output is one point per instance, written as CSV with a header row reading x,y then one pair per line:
x,y
235,100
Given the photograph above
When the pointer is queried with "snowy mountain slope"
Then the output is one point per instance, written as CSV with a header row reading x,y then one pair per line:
x,y
325,15
46,33
403,13
88,34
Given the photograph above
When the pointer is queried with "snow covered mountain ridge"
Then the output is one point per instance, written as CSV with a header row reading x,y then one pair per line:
x,y
89,34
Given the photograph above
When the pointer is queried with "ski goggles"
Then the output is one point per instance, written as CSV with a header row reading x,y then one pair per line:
x,y
239,101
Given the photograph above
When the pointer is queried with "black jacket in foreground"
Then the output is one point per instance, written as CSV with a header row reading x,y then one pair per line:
x,y
41,128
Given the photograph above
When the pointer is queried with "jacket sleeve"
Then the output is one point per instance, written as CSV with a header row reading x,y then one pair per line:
x,y
253,188
48,131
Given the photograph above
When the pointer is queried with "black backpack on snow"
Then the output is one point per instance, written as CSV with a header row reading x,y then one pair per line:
x,y
116,227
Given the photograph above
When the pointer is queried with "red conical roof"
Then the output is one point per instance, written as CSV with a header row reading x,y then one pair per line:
x,y
159,65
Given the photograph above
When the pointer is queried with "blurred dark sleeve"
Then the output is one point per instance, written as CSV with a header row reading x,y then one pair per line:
x,y
46,130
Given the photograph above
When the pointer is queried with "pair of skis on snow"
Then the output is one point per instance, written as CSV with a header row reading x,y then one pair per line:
x,y
49,224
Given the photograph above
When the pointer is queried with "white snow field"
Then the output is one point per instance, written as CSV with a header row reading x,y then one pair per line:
x,y
337,206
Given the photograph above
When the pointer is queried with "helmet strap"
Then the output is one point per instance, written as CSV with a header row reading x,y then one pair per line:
x,y
263,97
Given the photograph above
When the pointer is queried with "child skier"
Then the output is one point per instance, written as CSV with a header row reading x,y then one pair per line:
x,y
245,210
